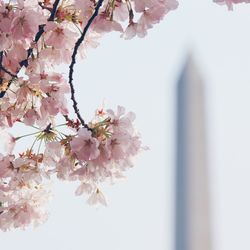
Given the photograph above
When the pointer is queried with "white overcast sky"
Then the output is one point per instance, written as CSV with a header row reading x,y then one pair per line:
x,y
141,75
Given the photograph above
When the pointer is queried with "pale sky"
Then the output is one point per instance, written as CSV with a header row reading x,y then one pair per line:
x,y
141,75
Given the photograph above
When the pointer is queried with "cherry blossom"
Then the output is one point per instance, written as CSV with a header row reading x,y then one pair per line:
x,y
230,3
84,146
35,38
20,208
97,197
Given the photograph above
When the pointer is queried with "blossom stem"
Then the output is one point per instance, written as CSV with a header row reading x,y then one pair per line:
x,y
73,62
33,144
60,133
30,125
39,147
78,28
23,136
60,125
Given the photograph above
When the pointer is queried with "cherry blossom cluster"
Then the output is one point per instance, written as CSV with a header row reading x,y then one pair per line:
x,y
230,3
35,38
90,156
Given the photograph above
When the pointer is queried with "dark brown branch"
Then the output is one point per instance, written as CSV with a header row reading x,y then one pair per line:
x,y
47,129
1,79
54,10
1,58
73,62
2,68
8,72
2,93
25,62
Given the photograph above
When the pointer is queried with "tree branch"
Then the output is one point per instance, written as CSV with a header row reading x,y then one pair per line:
x,y
1,58
54,10
6,71
1,79
73,62
2,67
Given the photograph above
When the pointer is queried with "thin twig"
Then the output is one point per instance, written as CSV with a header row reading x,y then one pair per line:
x,y
1,63
2,93
1,79
2,67
8,72
1,58
73,62
54,10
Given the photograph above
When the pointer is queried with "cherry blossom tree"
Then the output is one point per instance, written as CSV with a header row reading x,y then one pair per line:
x,y
36,37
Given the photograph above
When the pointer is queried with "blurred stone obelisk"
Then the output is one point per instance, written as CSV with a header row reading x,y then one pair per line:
x,y
192,195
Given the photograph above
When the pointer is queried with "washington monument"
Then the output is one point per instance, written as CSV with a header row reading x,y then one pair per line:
x,y
192,217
